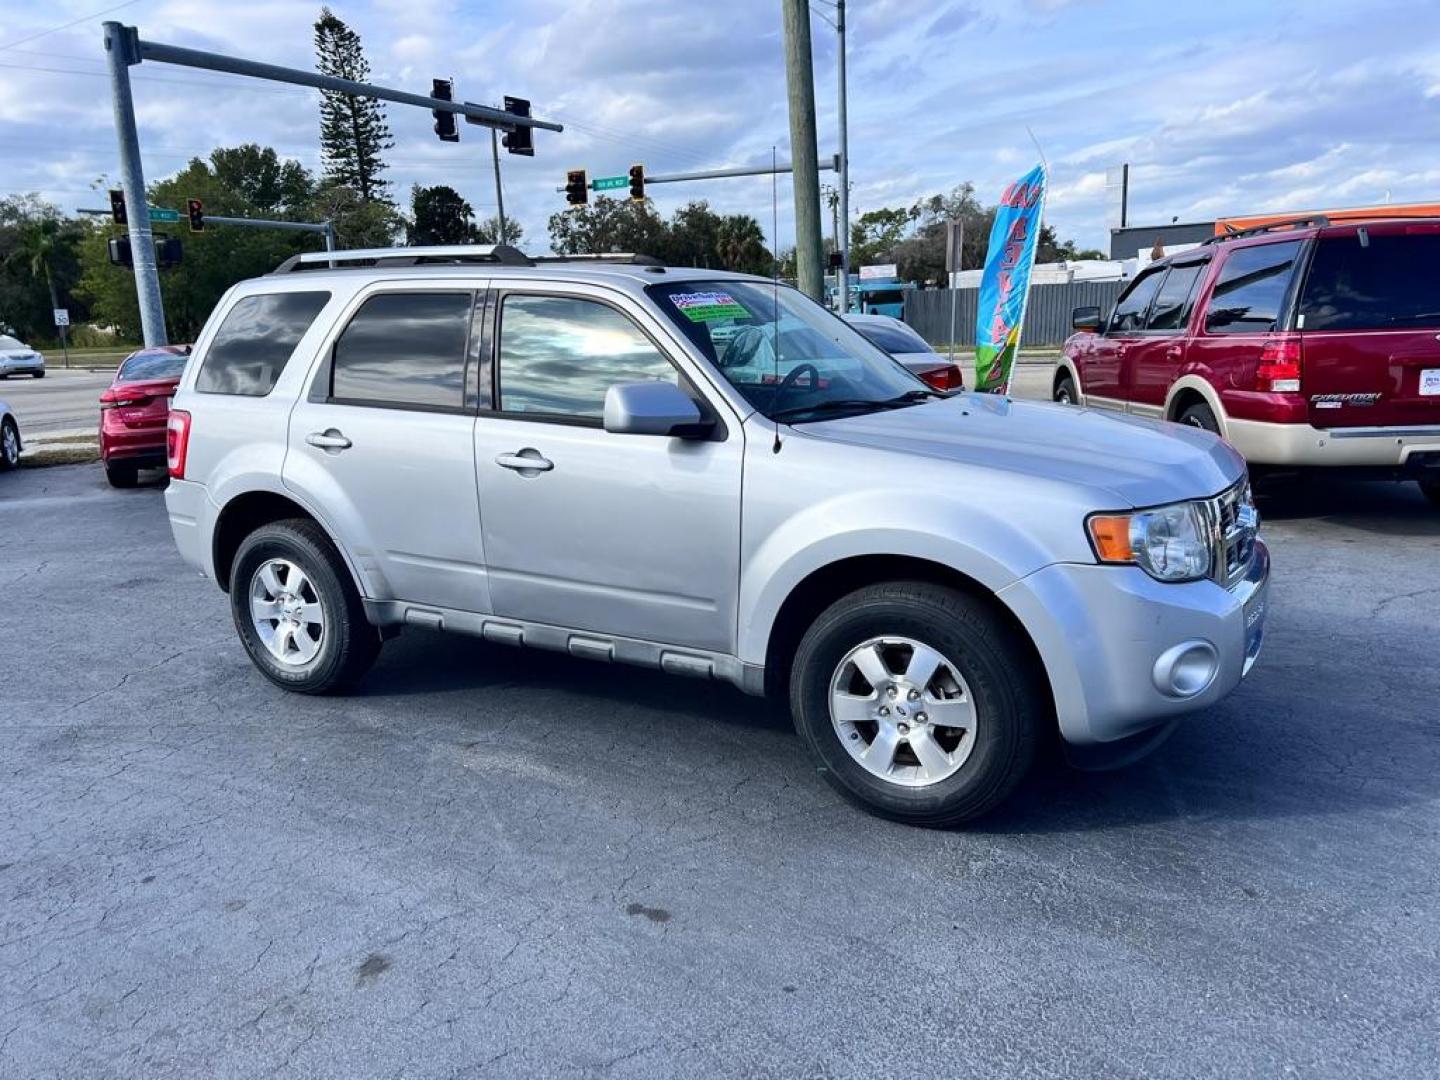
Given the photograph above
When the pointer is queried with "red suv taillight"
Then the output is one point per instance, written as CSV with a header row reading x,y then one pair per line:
x,y
177,442
1279,368
949,377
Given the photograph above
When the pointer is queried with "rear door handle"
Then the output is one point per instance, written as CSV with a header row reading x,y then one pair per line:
x,y
328,440
1173,352
527,462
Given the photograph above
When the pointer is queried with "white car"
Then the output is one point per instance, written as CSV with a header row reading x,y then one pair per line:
x,y
9,438
17,358
904,344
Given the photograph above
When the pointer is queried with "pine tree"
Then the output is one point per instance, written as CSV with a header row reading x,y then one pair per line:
x,y
353,130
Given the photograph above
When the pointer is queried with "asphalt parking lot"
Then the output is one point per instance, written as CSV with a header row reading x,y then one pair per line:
x,y
496,863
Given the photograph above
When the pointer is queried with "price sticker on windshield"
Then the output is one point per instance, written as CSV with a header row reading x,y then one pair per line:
x,y
709,306
1430,382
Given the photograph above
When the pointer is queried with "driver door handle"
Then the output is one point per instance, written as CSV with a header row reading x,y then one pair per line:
x,y
1173,352
329,439
525,461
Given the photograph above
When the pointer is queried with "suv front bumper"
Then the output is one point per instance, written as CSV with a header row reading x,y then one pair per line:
x,y
1125,653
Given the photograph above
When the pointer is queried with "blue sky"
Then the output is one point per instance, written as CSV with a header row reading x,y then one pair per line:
x,y
1220,107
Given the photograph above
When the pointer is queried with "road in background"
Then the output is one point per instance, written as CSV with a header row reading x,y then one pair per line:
x,y
506,863
63,401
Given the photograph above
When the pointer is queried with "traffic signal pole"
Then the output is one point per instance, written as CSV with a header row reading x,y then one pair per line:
x,y
499,193
120,53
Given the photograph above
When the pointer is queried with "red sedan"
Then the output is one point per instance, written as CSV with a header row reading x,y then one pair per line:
x,y
134,411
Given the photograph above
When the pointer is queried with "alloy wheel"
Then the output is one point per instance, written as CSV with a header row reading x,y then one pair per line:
x,y
10,444
903,711
286,611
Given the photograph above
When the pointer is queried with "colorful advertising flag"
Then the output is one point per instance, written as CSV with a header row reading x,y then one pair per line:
x,y
1005,284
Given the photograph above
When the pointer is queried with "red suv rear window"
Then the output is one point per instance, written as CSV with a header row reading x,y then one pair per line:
x,y
1364,281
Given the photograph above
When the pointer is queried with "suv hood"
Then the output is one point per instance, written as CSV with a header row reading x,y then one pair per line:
x,y
1143,462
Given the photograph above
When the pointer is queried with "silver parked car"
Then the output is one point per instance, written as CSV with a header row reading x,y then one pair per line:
x,y
904,344
708,474
10,445
17,358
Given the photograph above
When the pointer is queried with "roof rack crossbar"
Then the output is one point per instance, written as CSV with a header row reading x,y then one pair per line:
x,y
1318,221
504,254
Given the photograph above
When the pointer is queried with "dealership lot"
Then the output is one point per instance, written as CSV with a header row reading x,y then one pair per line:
x,y
493,863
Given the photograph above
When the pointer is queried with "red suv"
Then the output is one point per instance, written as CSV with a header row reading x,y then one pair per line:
x,y
1303,343
134,410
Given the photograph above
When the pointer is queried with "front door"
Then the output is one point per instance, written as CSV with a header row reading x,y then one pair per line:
x,y
624,535
1104,377
1155,359
382,444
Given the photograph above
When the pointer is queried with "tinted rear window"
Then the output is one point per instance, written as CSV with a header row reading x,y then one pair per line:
x,y
1250,290
147,366
893,339
1171,309
1387,283
255,341
405,348
1129,315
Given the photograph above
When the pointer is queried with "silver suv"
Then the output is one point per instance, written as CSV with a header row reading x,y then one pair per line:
x,y
708,474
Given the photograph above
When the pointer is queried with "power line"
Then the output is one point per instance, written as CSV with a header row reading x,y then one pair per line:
x,y
66,26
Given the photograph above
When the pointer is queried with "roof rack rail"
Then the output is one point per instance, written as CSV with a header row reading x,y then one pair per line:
x,y
631,258
437,255
1318,221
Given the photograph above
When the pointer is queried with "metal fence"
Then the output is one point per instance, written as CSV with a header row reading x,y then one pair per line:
x,y
1047,316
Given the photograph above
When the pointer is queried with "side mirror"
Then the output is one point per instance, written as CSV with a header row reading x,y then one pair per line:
x,y
652,408
1086,318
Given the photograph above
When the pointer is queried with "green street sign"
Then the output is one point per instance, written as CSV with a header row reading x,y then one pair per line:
x,y
156,214
609,183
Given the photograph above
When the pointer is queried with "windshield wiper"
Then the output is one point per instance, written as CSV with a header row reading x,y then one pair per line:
x,y
835,405
917,395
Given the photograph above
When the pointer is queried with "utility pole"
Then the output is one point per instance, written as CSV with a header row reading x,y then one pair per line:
x,y
844,241
499,195
800,83
121,51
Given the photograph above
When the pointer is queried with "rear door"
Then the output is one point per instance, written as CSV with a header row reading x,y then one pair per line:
x,y
1370,320
382,442
1153,362
1103,378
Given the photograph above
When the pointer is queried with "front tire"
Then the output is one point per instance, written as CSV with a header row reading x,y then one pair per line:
x,y
1431,490
1065,393
919,703
38,374
297,611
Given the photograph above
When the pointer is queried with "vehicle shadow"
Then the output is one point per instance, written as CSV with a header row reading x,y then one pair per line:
x,y
1384,508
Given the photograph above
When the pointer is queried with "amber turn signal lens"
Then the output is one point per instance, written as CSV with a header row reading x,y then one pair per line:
x,y
1111,535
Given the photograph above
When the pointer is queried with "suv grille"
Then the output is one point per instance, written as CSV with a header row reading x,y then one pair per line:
x,y
1234,523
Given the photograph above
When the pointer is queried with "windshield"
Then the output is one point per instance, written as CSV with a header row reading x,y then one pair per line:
x,y
789,357
8,342
143,367
893,337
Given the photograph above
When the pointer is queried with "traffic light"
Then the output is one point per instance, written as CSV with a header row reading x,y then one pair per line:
x,y
167,252
577,187
197,215
120,251
637,182
445,125
117,206
522,139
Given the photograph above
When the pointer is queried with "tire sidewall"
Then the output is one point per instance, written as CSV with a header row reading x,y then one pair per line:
x,y
6,462
1201,416
1065,382
1003,726
280,542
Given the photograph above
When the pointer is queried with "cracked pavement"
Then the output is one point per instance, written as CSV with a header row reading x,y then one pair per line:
x,y
497,863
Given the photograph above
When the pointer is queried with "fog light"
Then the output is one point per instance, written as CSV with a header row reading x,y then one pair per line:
x,y
1186,669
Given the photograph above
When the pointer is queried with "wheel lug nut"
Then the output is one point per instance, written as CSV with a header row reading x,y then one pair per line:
x,y
904,728
884,710
921,718
914,695
892,691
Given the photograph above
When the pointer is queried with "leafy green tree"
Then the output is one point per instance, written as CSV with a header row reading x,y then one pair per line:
x,y
439,215
358,224
875,234
608,225
353,130
266,181
39,266
488,232
694,236
740,245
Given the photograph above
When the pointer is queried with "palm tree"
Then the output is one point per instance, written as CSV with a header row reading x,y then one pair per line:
x,y
36,247
741,244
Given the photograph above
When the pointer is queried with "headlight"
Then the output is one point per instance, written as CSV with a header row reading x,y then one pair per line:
x,y
1170,543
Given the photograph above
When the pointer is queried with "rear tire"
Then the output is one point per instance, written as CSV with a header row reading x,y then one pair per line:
x,y
982,675
121,476
1201,416
1065,393
329,644
38,374
9,445
1431,490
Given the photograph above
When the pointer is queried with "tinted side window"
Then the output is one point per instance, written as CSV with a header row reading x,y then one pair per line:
x,y
404,348
1382,285
255,341
1250,290
1129,314
558,355
1172,303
